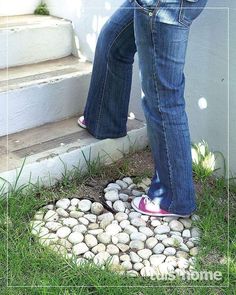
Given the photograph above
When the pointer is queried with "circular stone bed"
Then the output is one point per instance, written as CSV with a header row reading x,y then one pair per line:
x,y
127,241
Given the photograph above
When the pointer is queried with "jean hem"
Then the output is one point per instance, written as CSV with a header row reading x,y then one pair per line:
x,y
108,136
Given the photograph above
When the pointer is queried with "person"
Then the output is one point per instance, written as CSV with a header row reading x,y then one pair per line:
x,y
158,30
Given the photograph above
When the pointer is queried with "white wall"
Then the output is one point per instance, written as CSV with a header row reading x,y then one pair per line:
x,y
16,7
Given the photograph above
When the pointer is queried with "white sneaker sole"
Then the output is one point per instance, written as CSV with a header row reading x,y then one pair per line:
x,y
80,122
158,214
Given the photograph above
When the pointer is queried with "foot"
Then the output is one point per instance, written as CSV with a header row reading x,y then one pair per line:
x,y
150,207
81,122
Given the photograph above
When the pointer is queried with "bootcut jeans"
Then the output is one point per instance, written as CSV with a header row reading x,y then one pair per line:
x,y
158,31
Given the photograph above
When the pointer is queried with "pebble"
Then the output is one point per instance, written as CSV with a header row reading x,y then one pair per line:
x,y
181,254
187,222
75,238
97,208
186,233
125,257
113,229
123,238
138,222
134,257
148,271
121,216
162,229
74,202
128,180
71,222
90,240
137,193
136,245
124,223
80,228
76,214
132,273
112,249
63,232
138,236
183,263
171,260
129,229
146,230
101,258
63,203
84,205
114,186
93,226
155,222
112,196
134,215
91,217
151,242
51,215
119,206
123,197
170,242
138,266
104,238
145,253
183,247
169,251
158,249
161,237
65,243
123,247
175,225
80,248
108,215
122,184
195,232
99,248
157,259
72,208
62,212
53,226
89,255
127,265
194,251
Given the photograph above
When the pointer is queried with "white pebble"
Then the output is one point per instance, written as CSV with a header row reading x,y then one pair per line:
x,y
80,248
112,196
51,215
75,238
85,205
90,240
63,232
63,203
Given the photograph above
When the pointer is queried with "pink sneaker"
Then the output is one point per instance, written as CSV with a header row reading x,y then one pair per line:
x,y
147,206
81,122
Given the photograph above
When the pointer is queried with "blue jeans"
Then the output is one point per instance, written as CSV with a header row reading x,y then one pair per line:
x,y
158,30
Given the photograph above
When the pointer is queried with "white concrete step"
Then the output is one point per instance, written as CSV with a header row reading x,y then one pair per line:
x,y
49,148
36,94
28,39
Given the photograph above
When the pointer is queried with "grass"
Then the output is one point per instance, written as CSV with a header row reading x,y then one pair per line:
x,y
30,265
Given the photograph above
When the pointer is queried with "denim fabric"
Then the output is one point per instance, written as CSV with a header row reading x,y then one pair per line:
x,y
158,30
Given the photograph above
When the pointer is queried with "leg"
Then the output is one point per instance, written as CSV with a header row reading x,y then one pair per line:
x,y
161,40
107,104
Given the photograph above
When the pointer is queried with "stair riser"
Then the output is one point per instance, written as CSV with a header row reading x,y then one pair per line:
x,y
32,44
48,171
43,103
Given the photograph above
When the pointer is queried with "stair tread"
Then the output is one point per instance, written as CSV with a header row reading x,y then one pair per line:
x,y
9,22
21,76
46,141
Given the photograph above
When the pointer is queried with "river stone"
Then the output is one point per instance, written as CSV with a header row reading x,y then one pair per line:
x,y
122,184
186,233
79,228
127,265
80,248
90,240
138,266
132,273
157,259
151,242
121,216
74,202
134,214
95,231
178,238
137,193
169,251
148,271
81,261
51,215
189,244
62,212
130,229
183,247
98,248
181,254
195,217
161,237
123,247
124,257
155,222
113,229
91,217
89,255
175,225
97,208
119,206
101,258
195,232
128,180
63,232
75,238
123,197
161,229
83,220
136,245
194,251
187,222
138,236
39,215
138,221
107,215
93,226
76,214
123,238
104,238
84,205
65,243
158,249
71,222
112,249
114,186
112,196
171,260
183,263
145,253
63,203
53,226
71,208
146,230
114,260
146,262
134,257
124,223
170,242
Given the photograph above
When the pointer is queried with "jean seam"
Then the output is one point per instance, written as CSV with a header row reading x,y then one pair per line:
x,y
163,124
102,99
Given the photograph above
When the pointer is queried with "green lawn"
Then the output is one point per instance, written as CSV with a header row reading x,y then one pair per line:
x,y
24,264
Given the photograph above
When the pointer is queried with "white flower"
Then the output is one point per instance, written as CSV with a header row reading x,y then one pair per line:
x,y
195,158
209,162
